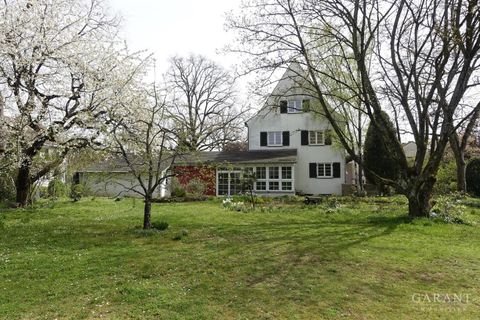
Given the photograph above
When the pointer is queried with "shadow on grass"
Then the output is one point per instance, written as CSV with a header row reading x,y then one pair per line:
x,y
293,242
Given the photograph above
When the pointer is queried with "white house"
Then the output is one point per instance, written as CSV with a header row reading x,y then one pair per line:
x,y
289,149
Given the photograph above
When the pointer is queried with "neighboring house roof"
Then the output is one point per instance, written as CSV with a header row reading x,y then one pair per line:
x,y
118,164
410,149
240,157
111,164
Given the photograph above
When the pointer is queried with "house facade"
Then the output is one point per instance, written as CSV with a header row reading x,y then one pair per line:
x,y
290,149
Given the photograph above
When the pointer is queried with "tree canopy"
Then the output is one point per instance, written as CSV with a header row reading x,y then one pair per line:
x,y
203,104
62,64
417,59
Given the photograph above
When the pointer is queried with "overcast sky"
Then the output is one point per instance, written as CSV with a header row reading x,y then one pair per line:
x,y
169,27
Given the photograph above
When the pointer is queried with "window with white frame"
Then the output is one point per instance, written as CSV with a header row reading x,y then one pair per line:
x,y
294,106
261,178
287,177
229,181
274,138
316,137
274,178
324,170
273,173
286,173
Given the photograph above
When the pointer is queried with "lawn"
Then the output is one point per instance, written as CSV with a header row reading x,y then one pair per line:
x,y
364,260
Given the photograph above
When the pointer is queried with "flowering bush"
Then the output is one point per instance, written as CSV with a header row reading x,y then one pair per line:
x,y
229,204
449,210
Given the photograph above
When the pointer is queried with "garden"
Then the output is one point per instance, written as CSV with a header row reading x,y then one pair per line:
x,y
358,258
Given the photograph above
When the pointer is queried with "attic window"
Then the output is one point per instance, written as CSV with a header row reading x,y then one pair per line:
x,y
294,106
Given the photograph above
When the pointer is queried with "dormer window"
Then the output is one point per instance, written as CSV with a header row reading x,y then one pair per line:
x,y
294,106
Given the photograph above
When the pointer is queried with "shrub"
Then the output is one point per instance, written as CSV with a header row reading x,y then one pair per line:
x,y
232,205
180,235
446,178
191,197
7,188
177,189
56,188
241,198
196,187
448,209
76,192
473,177
288,199
160,225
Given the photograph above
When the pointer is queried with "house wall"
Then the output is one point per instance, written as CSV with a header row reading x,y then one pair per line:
x,y
294,123
114,185
270,118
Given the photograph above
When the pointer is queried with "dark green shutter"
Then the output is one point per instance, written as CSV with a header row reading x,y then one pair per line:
x,y
306,105
313,170
283,106
328,137
336,170
286,138
263,139
304,138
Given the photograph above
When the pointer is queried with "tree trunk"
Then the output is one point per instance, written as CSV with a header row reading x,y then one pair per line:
x,y
360,177
147,223
419,200
360,155
461,167
458,149
23,184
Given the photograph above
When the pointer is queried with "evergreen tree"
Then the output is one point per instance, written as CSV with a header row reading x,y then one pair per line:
x,y
378,158
473,177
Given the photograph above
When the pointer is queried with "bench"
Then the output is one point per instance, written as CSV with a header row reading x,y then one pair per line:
x,y
313,200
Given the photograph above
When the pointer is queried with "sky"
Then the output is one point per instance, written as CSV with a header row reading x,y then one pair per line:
x,y
170,27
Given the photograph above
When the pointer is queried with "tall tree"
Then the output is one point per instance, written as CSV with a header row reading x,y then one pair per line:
x,y
376,155
420,58
61,62
203,102
459,141
141,137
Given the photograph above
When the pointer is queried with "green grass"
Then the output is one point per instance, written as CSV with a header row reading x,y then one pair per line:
x,y
90,260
